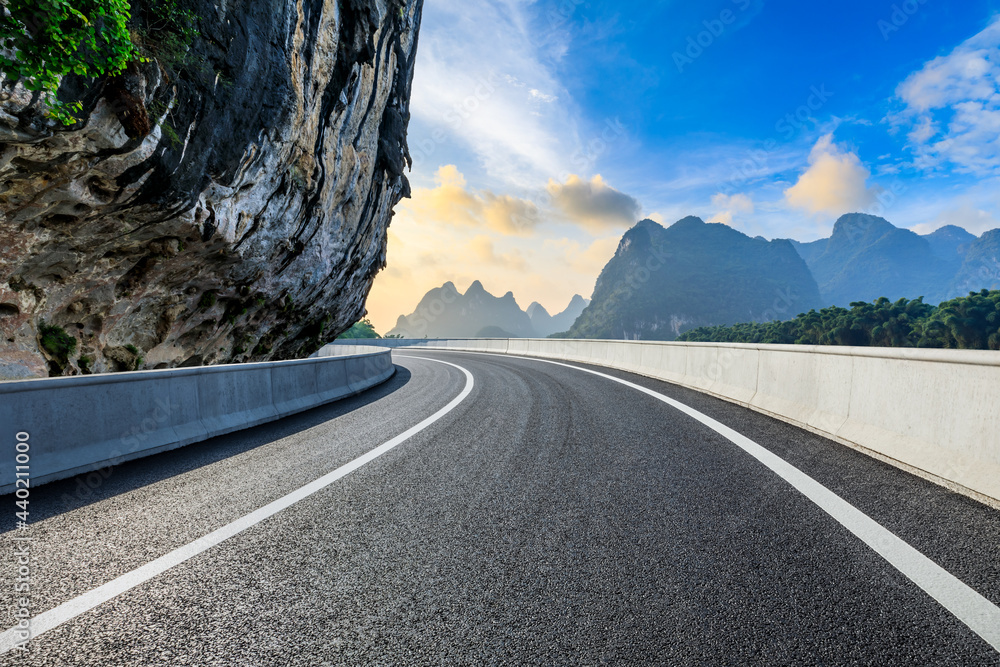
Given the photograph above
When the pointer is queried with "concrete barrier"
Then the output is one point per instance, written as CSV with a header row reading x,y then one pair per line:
x,y
935,413
86,423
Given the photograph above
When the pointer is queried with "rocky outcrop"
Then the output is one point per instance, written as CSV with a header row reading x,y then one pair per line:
x,y
231,210
867,257
981,268
663,282
546,325
444,312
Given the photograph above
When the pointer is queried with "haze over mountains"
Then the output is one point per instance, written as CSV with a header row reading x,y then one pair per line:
x,y
662,282
867,257
446,312
546,325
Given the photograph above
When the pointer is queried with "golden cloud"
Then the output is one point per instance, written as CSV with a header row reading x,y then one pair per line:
x,y
835,182
452,203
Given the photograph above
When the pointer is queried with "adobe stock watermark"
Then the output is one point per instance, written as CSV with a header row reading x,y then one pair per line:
x,y
583,160
563,12
373,367
642,274
885,199
130,442
428,312
781,307
22,542
460,113
588,155
755,161
714,29
901,13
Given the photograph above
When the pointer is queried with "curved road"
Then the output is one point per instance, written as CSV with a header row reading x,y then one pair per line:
x,y
546,515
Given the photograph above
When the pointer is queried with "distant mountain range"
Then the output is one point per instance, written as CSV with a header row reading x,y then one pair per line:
x,y
546,325
980,266
662,282
867,257
445,312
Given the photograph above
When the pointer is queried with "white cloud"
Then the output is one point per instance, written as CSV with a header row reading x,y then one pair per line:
x,y
729,206
835,182
539,95
482,81
951,107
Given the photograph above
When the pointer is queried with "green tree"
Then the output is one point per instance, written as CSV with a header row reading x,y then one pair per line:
x,y
53,38
362,329
971,322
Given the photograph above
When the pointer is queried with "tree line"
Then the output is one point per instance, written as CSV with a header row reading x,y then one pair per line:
x,y
971,322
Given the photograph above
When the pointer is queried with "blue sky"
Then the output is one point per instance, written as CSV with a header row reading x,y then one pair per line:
x,y
542,130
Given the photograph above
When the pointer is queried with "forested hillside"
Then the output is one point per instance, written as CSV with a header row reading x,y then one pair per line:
x,y
971,322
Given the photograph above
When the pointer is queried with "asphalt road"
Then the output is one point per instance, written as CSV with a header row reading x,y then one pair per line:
x,y
551,517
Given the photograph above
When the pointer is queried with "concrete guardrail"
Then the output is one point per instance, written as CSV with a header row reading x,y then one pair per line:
x,y
67,426
935,413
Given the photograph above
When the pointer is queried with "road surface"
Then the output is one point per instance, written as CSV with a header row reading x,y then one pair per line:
x,y
541,514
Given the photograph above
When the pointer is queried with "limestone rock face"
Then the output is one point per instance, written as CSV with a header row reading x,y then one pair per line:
x,y
243,220
662,282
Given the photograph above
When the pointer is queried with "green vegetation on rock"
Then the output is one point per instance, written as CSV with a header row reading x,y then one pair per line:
x,y
167,33
53,38
362,329
57,342
85,362
971,322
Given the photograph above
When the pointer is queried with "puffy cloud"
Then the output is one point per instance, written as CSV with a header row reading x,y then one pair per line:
x,y
510,215
594,204
728,206
451,202
951,106
834,183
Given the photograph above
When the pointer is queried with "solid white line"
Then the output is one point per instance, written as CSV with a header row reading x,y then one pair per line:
x,y
968,606
58,615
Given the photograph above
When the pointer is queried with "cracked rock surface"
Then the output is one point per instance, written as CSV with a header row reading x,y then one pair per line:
x,y
244,221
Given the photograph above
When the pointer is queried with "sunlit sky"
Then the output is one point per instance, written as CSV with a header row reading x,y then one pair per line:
x,y
542,130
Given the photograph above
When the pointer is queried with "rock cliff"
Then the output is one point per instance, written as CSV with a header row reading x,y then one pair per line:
x,y
233,207
867,257
663,282
444,312
546,325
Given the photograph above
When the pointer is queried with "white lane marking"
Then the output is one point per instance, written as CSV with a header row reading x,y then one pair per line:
x,y
58,615
968,606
